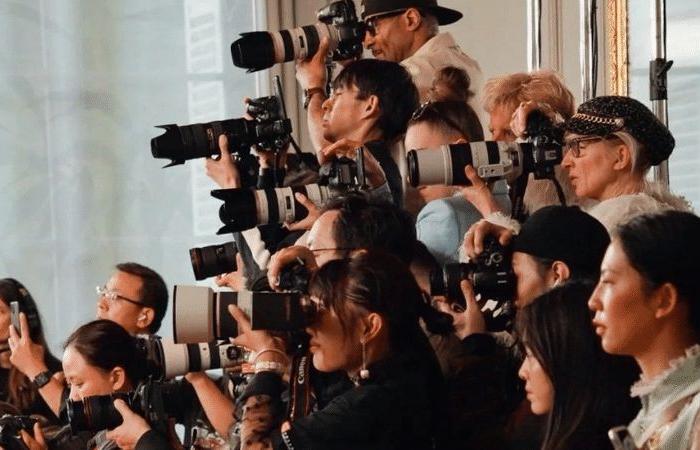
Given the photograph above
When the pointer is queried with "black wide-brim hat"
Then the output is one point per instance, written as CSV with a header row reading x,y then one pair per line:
x,y
444,16
605,115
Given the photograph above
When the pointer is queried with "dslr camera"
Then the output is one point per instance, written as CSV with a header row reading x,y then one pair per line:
x,y
155,401
338,22
270,129
201,315
247,208
491,275
491,159
10,427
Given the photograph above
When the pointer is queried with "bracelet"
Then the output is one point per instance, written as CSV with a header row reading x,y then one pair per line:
x,y
309,94
269,366
270,350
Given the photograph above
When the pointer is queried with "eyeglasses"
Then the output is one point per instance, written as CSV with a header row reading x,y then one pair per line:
x,y
429,108
113,296
371,23
574,145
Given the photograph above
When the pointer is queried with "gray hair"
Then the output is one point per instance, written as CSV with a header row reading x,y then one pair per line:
x,y
640,163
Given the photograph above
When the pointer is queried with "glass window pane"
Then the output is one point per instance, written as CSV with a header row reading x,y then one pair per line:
x,y
84,84
683,35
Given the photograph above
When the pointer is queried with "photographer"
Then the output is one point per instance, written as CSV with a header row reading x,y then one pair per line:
x,y
556,244
100,358
135,297
582,391
367,326
646,306
371,103
445,214
405,32
346,224
27,388
611,143
503,97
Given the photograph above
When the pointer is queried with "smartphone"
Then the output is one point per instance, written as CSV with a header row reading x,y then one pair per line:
x,y
14,310
621,439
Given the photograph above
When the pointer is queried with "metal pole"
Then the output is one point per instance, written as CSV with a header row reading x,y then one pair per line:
x,y
534,33
658,71
586,49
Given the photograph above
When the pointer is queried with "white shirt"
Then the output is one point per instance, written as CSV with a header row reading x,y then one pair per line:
x,y
442,51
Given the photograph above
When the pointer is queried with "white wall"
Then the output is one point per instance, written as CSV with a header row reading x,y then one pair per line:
x,y
492,32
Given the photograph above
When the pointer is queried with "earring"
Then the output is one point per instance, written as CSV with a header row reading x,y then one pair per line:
x,y
364,373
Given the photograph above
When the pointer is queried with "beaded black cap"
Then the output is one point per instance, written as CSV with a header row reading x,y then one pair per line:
x,y
602,116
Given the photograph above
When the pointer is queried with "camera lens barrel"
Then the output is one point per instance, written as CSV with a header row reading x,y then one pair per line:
x,y
95,413
445,164
213,260
246,208
201,315
179,359
259,49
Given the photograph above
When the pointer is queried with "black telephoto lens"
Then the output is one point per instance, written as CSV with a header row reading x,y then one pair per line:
x,y
95,413
213,260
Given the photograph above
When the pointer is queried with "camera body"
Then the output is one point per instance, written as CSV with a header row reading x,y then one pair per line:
x,y
155,401
350,30
337,21
10,427
492,278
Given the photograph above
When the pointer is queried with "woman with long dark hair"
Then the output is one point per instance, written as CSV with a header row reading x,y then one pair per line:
x,y
582,390
647,305
367,326
17,388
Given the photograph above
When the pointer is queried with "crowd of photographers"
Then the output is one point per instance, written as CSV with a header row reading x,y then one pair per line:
x,y
406,285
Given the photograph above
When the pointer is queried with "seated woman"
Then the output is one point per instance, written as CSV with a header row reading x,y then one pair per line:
x,y
610,145
16,388
647,305
367,325
582,390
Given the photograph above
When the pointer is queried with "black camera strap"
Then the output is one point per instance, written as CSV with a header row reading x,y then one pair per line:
x,y
300,401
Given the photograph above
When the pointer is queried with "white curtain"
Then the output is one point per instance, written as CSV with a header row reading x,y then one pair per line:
x,y
82,84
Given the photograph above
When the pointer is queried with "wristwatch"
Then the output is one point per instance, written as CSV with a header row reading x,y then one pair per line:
x,y
42,379
309,94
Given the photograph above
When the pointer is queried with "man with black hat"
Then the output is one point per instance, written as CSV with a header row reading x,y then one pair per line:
x,y
402,31
406,31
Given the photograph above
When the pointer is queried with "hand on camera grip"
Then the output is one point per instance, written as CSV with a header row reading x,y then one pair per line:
x,y
474,238
133,427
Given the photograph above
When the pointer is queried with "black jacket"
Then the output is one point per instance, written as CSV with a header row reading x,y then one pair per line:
x,y
400,406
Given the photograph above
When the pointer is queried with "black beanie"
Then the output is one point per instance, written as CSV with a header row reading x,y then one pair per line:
x,y
564,233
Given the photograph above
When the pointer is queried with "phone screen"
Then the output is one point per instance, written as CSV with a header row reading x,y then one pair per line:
x,y
14,309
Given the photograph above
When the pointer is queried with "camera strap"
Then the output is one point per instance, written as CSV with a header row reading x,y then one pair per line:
x,y
517,196
300,401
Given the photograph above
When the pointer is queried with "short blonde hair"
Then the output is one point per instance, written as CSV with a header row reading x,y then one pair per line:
x,y
542,86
